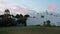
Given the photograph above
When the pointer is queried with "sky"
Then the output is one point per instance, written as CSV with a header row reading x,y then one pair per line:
x,y
22,6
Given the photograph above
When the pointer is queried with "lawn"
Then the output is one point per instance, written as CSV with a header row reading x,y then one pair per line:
x,y
29,30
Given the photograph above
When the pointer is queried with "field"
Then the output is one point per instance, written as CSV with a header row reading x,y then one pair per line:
x,y
29,30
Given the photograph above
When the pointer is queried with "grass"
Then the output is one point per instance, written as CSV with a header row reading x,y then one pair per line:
x,y
29,30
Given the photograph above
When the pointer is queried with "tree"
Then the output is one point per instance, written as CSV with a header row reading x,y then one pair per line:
x,y
6,13
17,16
20,19
8,22
25,18
48,22
27,15
6,19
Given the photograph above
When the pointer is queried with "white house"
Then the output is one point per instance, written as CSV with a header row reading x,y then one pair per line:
x,y
40,18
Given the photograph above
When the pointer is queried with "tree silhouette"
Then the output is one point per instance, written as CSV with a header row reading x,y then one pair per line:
x,y
25,19
20,19
48,22
7,20
17,16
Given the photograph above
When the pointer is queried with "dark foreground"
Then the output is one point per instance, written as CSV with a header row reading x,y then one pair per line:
x,y
30,30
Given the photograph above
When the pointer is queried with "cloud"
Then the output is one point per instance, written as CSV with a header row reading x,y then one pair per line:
x,y
13,7
52,7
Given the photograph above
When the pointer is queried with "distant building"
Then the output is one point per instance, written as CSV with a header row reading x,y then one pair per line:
x,y
40,18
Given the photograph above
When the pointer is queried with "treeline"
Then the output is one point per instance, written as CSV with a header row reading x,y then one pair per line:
x,y
11,20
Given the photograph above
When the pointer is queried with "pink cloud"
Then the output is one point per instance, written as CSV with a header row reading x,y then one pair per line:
x,y
52,7
14,9
18,10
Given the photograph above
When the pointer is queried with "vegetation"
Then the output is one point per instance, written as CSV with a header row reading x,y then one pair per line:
x,y
9,20
30,30
47,23
12,21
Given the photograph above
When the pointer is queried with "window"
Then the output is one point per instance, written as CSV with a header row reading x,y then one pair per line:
x,y
42,16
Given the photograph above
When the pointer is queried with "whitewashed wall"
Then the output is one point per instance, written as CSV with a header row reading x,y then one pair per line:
x,y
55,20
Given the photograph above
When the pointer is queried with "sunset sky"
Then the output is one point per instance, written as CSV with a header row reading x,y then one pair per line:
x,y
21,6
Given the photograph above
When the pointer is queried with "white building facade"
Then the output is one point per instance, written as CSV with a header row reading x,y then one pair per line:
x,y
38,19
